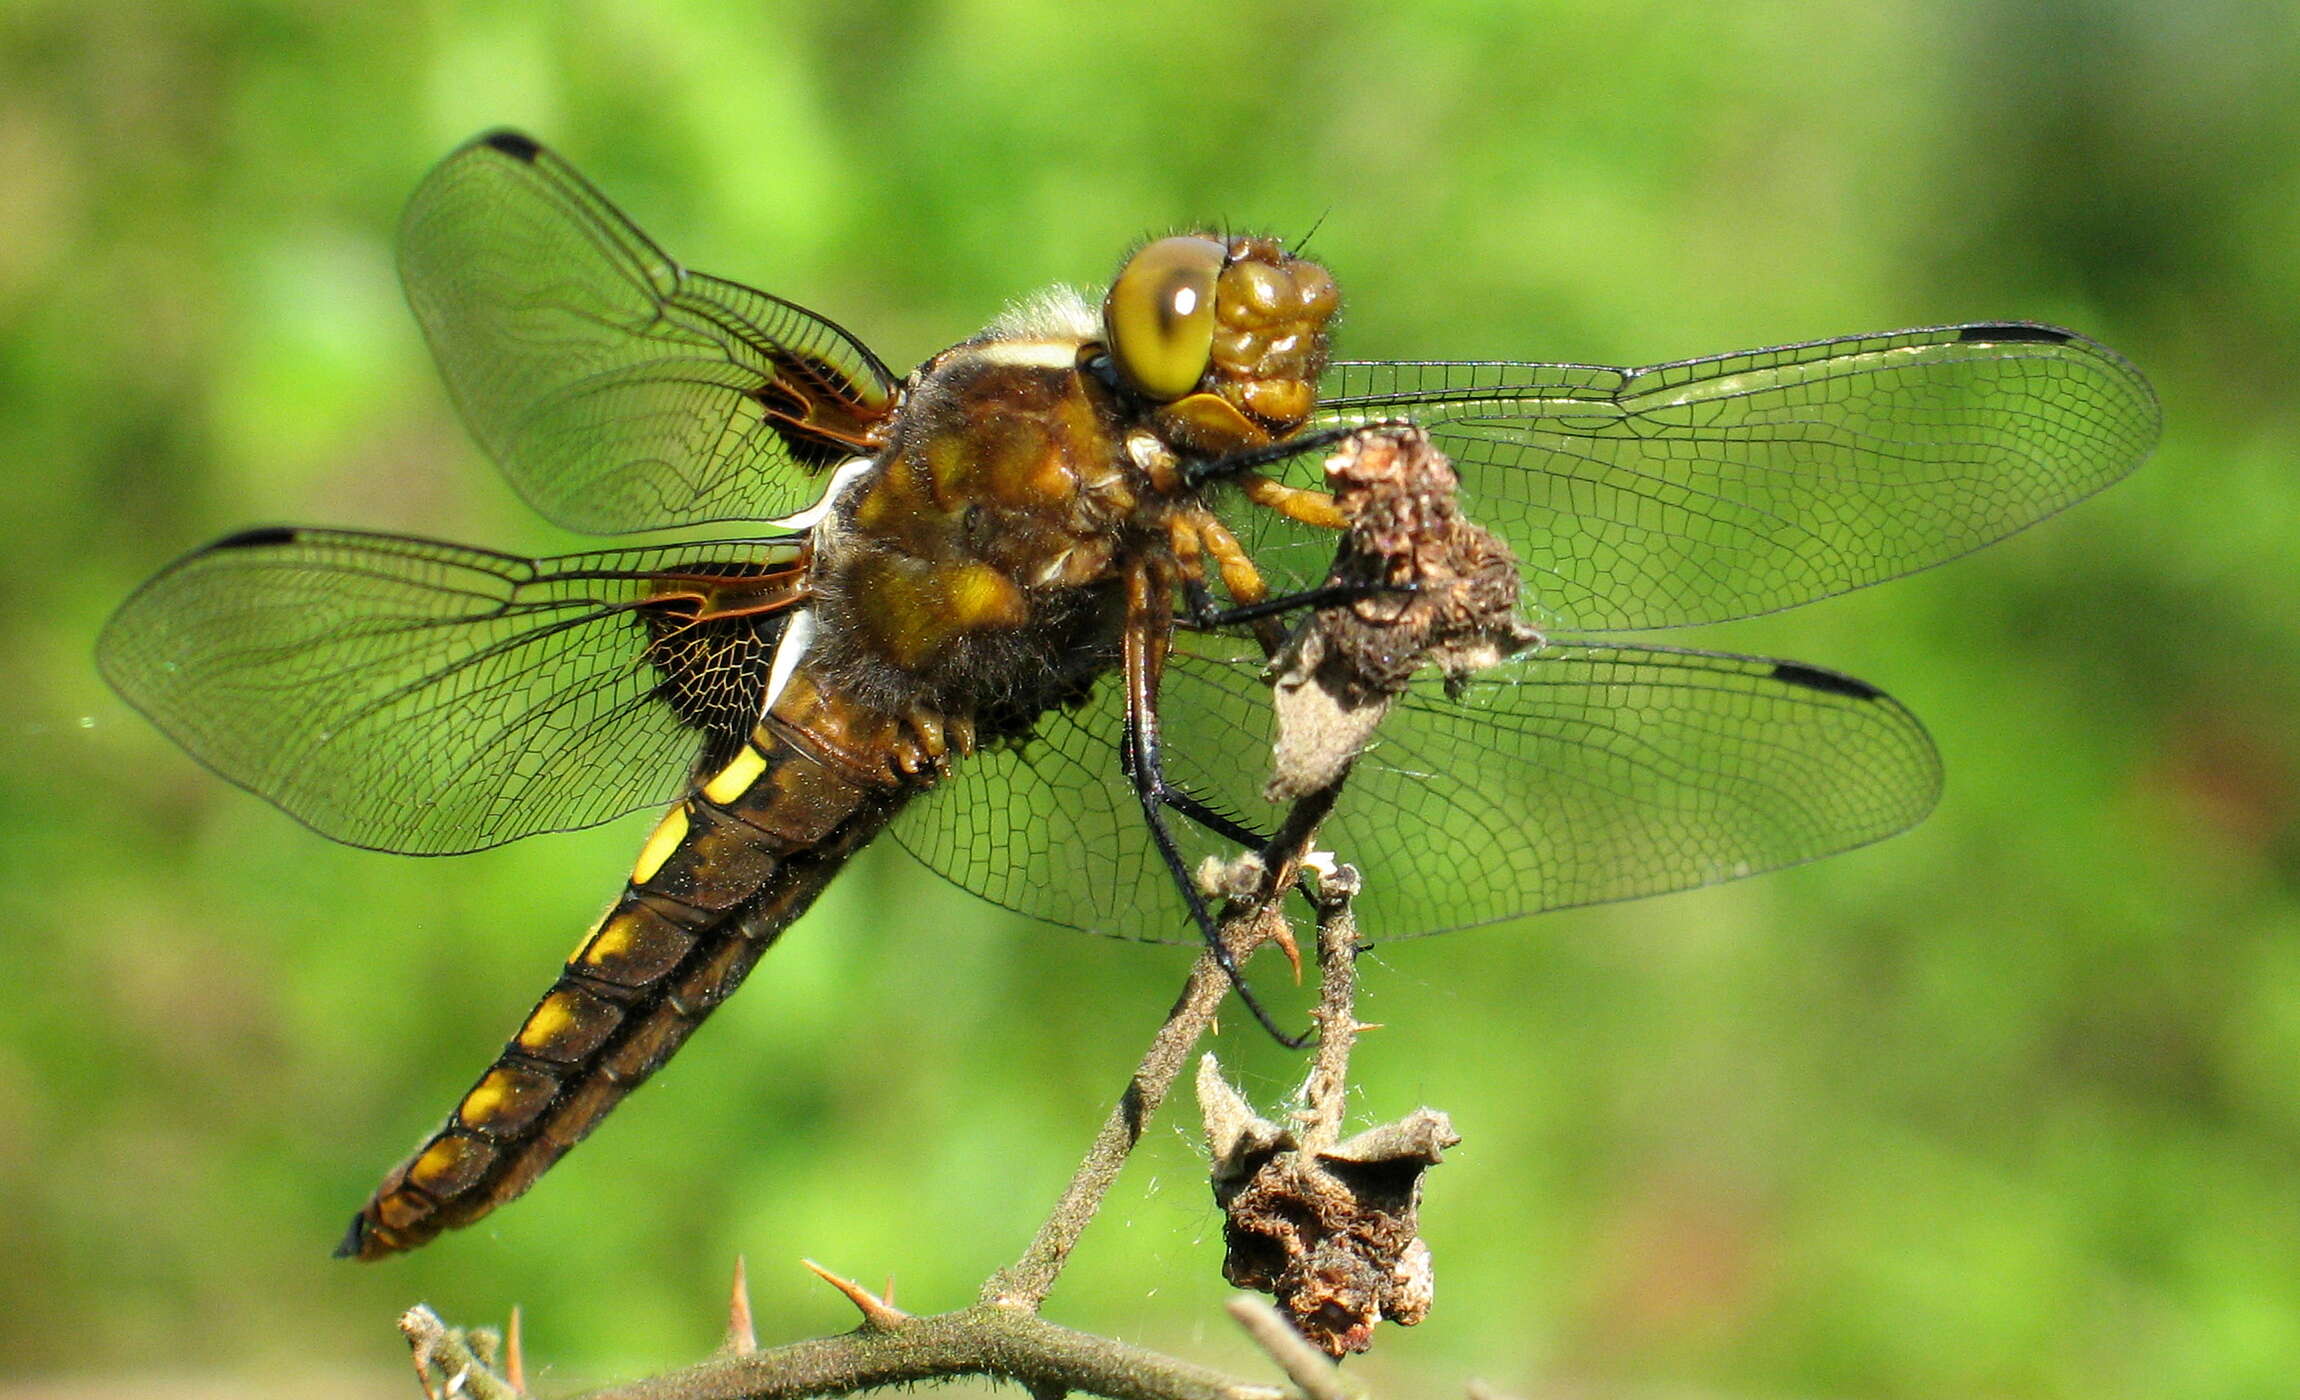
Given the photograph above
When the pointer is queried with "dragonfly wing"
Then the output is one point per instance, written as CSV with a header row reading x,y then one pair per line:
x,y
1739,484
617,390
1576,774
1583,773
408,695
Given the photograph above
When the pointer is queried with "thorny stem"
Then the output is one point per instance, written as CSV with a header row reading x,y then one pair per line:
x,y
978,1341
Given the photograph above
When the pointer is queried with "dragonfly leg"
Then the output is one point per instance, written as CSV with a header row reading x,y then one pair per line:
x,y
1224,826
1144,654
1219,468
1323,596
1199,535
1294,502
1239,573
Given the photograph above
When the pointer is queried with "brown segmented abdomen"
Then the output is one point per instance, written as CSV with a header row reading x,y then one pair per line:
x,y
723,875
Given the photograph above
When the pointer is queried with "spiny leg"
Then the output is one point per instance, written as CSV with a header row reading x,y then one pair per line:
x,y
1210,617
1144,651
1217,468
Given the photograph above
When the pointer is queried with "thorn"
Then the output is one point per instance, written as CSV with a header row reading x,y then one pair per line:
x,y
1283,936
887,1295
742,1337
879,1315
1361,1027
514,1354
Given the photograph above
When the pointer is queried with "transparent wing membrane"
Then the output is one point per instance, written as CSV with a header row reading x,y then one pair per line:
x,y
1584,773
1740,484
414,696
617,390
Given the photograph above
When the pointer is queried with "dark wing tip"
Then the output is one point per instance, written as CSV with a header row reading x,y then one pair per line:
x,y
1828,682
257,538
2002,331
516,144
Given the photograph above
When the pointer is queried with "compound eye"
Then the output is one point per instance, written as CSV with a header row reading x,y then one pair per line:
x,y
1159,316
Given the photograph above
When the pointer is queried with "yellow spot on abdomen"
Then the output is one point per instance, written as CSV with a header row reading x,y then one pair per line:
x,y
631,947
506,1099
483,1104
736,778
609,941
567,1025
668,834
451,1165
545,1024
401,1210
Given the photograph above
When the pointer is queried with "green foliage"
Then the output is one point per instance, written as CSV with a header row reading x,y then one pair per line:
x,y
2008,1106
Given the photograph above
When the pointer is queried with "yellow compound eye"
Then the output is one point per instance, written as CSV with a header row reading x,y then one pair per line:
x,y
1159,316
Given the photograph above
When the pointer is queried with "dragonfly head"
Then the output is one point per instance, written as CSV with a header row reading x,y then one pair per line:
x,y
1227,335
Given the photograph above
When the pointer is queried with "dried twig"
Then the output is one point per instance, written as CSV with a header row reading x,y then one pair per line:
x,y
1325,1093
983,1340
1328,1227
451,1362
1311,1370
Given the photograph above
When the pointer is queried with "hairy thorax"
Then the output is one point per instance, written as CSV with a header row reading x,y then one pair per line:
x,y
972,567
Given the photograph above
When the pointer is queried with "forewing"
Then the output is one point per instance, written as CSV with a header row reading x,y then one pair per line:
x,y
617,390
1582,773
1739,484
408,695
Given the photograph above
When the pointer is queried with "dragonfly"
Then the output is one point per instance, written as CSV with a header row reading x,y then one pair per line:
x,y
1012,610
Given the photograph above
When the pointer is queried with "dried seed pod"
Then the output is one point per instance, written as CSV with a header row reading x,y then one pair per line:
x,y
1332,1235
1436,589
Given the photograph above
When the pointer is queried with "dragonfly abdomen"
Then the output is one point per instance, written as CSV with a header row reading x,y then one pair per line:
x,y
725,872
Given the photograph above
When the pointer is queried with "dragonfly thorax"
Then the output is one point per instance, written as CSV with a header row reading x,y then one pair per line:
x,y
987,534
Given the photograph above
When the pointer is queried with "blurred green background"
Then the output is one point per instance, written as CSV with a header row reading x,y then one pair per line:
x,y
2009,1106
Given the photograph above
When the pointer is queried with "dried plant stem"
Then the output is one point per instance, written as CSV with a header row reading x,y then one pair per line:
x,y
1311,1370
1244,927
450,1361
983,1340
1326,1090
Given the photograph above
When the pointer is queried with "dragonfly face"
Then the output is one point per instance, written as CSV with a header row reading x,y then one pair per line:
x,y
987,612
